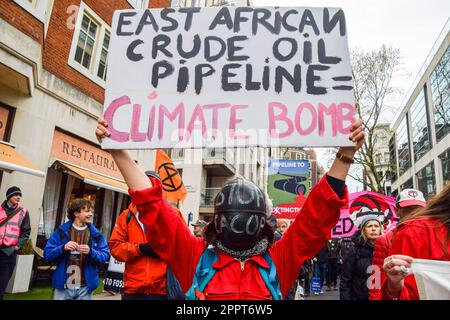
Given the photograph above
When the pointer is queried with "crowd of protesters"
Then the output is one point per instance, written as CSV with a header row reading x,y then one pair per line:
x,y
275,259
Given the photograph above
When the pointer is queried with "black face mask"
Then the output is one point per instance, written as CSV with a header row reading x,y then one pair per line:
x,y
240,215
239,231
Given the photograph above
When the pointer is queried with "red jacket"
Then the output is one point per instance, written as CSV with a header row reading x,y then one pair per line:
x,y
422,239
143,274
175,244
380,252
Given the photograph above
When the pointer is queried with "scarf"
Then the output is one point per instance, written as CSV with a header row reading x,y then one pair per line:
x,y
260,248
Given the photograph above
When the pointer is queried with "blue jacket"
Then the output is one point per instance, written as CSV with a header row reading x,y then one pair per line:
x,y
54,251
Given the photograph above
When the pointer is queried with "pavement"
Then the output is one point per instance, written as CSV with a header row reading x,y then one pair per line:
x,y
105,295
327,295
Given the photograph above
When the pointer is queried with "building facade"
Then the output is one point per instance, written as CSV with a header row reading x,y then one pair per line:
x,y
381,160
210,3
205,171
316,170
420,148
53,66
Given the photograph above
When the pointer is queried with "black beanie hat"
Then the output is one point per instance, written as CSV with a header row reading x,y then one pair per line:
x,y
12,192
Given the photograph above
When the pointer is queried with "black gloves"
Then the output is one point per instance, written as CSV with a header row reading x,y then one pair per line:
x,y
146,250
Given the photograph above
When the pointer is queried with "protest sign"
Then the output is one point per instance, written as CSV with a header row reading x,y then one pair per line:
x,y
228,77
114,276
288,185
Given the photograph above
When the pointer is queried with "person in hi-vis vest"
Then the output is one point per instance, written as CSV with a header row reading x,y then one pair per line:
x,y
14,231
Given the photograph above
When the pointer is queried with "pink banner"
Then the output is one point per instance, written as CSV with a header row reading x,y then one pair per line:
x,y
346,228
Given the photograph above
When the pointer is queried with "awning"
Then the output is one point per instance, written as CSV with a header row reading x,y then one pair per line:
x,y
94,178
11,160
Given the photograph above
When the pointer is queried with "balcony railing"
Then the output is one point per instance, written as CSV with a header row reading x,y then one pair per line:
x,y
207,196
218,153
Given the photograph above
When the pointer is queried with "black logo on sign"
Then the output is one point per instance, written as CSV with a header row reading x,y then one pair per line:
x,y
168,180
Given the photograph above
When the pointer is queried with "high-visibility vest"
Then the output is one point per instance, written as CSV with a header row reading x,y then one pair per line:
x,y
10,232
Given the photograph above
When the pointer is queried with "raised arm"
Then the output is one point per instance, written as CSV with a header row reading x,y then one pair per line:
x,y
131,172
166,232
341,165
320,213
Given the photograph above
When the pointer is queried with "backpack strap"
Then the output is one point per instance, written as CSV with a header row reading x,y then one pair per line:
x,y
129,216
270,277
203,274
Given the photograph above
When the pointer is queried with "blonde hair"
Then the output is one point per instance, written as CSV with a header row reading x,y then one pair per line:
x,y
363,231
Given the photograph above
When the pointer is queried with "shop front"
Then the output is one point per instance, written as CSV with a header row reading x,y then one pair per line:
x,y
10,159
80,169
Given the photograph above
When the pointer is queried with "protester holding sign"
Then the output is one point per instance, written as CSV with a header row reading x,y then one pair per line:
x,y
242,239
424,234
228,77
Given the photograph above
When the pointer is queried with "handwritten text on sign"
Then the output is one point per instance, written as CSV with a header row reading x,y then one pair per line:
x,y
229,76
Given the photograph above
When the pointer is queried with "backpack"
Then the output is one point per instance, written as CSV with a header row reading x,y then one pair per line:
x,y
204,273
174,291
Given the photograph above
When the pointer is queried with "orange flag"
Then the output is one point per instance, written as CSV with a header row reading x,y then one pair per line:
x,y
173,187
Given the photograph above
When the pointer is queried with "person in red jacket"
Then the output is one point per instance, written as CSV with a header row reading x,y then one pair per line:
x,y
425,234
407,201
242,240
145,273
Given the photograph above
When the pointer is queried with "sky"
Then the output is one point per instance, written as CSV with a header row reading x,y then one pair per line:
x,y
411,26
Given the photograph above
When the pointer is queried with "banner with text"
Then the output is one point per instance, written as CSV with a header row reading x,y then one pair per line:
x,y
114,276
288,186
228,77
369,199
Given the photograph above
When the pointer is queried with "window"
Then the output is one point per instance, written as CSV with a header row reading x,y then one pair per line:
x,y
138,4
393,159
404,156
386,157
90,45
40,9
394,193
378,159
426,181
188,3
407,185
101,73
420,128
86,41
32,2
445,159
440,91
242,164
